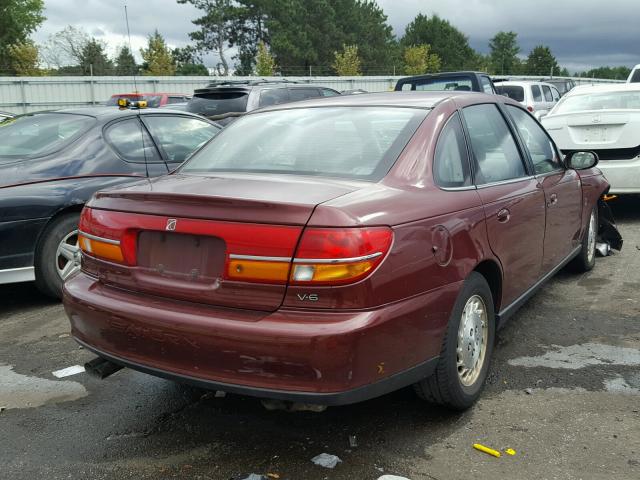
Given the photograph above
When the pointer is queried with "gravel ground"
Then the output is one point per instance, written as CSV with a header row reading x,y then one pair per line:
x,y
563,391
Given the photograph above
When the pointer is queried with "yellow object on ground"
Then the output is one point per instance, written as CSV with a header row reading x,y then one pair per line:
x,y
510,451
488,450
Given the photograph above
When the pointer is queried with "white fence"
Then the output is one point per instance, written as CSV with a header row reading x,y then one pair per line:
x,y
27,94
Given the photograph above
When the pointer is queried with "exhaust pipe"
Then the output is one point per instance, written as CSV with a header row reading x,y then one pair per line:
x,y
101,368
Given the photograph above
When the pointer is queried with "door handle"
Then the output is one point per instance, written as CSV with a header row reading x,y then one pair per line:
x,y
553,199
504,215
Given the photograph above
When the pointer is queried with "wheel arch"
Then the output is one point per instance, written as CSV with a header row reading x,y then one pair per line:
x,y
74,208
492,273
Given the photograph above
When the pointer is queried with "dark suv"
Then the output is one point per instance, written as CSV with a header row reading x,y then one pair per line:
x,y
224,101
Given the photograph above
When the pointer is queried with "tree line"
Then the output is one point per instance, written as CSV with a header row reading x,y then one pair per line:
x,y
276,37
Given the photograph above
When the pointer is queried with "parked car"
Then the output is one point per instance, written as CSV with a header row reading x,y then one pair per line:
x,y
333,250
225,101
538,97
52,162
448,81
605,119
564,85
154,100
634,76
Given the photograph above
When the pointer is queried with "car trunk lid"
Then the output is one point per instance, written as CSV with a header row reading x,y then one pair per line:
x,y
184,231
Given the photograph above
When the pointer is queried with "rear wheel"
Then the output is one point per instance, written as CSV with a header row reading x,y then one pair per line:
x,y
586,259
58,255
466,349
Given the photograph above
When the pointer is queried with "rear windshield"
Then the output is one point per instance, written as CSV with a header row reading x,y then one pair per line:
x,y
512,91
346,142
32,136
153,101
218,103
599,101
462,84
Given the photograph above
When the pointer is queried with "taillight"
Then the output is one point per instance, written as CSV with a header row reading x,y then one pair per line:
x,y
330,256
530,108
102,237
325,256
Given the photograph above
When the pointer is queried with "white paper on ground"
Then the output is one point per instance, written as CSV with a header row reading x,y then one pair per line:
x,y
65,372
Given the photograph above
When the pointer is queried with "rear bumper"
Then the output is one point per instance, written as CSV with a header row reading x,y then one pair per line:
x,y
623,175
324,357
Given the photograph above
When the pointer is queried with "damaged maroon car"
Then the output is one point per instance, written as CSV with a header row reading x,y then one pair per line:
x,y
334,250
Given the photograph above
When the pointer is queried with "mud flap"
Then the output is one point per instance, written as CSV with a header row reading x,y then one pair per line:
x,y
607,231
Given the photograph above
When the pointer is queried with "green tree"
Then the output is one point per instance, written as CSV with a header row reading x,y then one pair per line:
x,y
419,60
23,58
347,62
188,62
18,19
564,72
214,29
63,49
504,54
125,63
446,41
541,62
612,73
94,59
157,57
265,64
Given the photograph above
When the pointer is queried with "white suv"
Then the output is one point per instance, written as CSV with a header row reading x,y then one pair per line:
x,y
538,97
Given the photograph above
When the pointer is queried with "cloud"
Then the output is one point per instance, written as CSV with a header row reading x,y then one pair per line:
x,y
581,33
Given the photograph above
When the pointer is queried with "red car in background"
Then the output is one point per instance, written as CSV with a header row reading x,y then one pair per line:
x,y
154,100
330,251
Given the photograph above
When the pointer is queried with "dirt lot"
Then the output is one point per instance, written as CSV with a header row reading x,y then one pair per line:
x,y
564,392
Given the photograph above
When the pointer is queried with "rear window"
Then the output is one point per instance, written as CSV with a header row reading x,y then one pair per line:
x,y
346,142
512,91
32,136
218,103
436,84
153,101
599,101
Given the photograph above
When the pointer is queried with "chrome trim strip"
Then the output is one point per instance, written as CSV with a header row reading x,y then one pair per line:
x,y
233,256
17,275
99,239
337,260
505,182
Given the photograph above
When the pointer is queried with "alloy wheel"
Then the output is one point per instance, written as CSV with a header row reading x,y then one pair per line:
x,y
68,255
473,335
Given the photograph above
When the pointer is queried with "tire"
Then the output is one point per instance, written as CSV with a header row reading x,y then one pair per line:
x,y
454,386
50,261
586,259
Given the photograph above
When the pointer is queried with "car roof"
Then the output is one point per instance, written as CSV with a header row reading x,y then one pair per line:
x,y
382,99
150,93
107,113
604,88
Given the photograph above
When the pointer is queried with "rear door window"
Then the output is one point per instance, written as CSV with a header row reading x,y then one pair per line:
x,y
496,157
548,96
296,94
451,162
132,142
178,136
274,96
537,94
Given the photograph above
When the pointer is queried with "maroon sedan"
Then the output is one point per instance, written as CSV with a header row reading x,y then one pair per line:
x,y
333,250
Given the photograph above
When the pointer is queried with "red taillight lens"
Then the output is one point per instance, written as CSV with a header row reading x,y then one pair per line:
x,y
530,108
102,236
333,256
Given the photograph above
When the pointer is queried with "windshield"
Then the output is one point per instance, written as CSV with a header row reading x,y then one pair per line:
x,y
623,100
32,136
218,103
153,101
346,142
512,91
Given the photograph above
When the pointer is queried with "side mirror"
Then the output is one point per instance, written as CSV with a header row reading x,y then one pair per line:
x,y
581,160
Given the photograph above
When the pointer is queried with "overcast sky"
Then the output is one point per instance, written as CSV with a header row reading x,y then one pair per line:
x,y
581,33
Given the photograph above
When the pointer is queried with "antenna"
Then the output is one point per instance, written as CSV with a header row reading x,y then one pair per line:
x,y
135,87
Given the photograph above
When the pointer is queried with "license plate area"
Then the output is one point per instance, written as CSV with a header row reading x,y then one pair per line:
x,y
185,257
